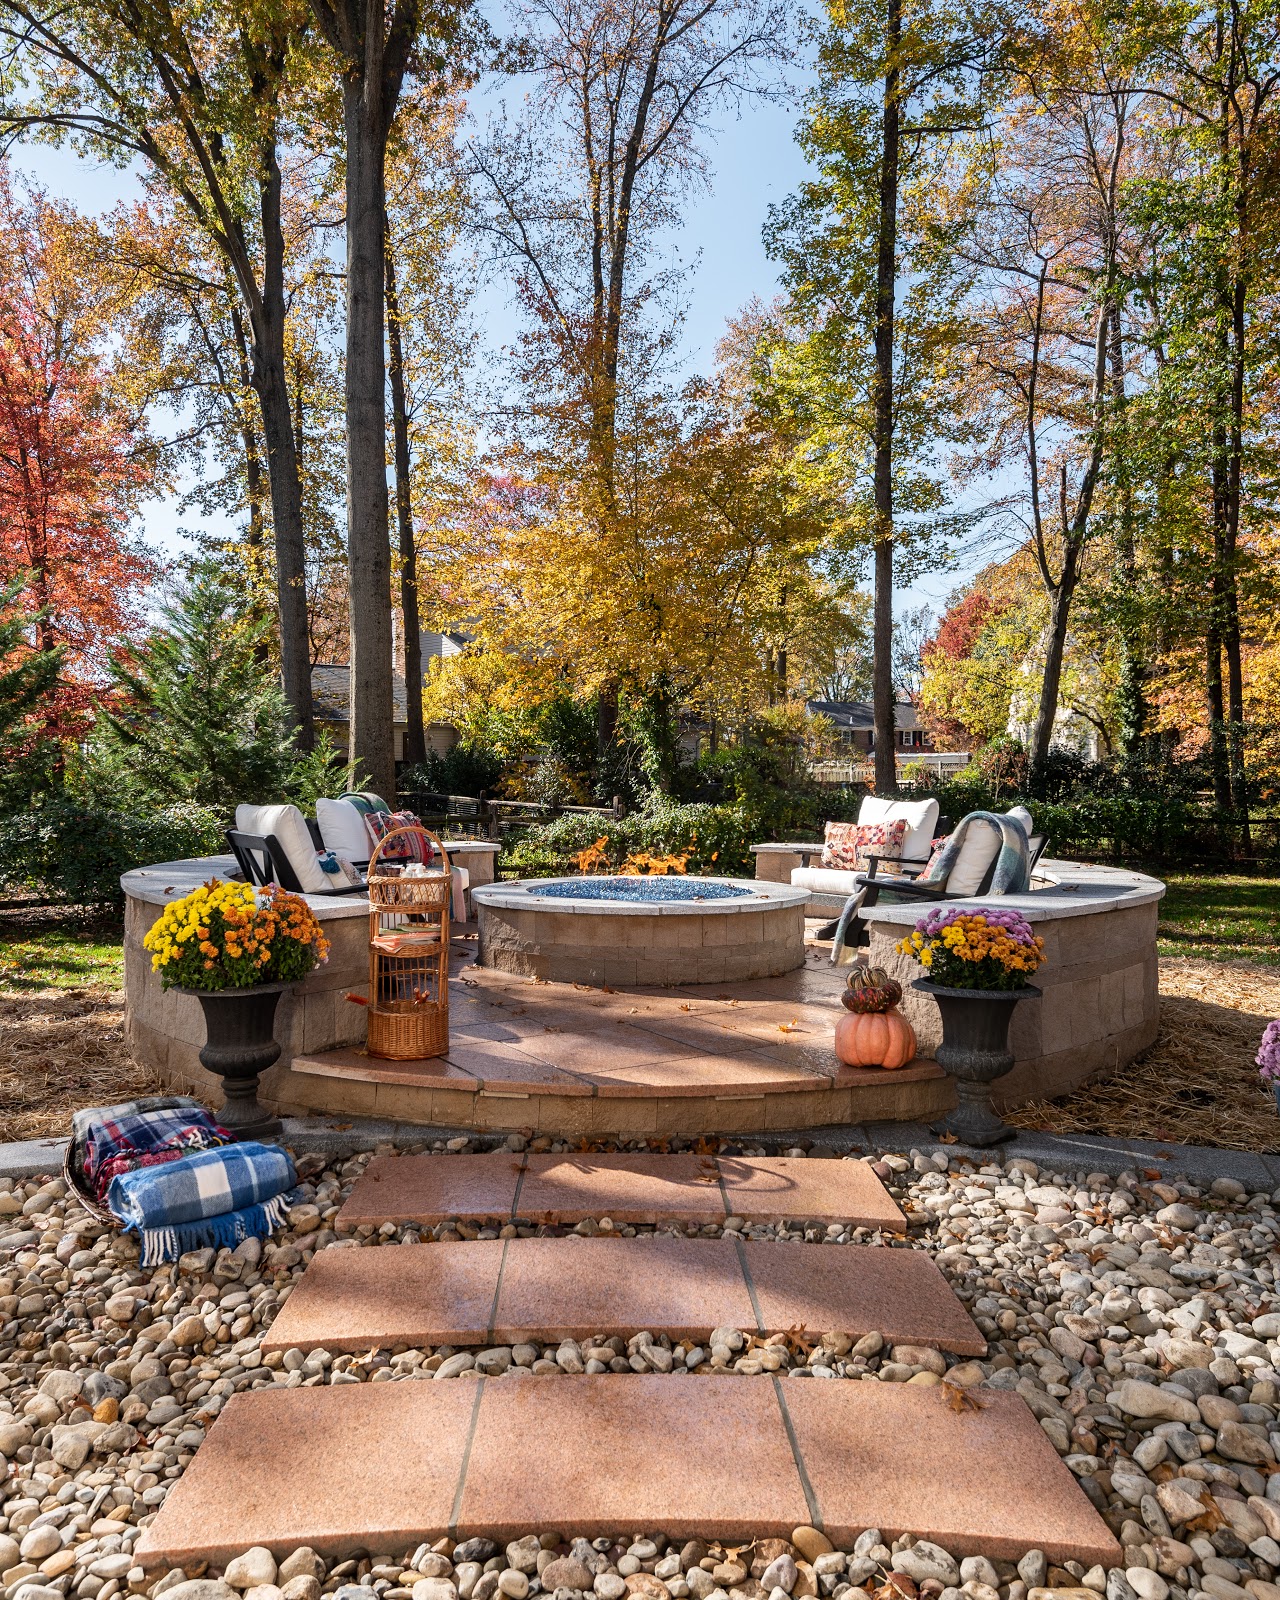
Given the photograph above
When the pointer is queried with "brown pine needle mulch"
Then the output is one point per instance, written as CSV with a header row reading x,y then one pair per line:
x,y
61,1050
1198,1084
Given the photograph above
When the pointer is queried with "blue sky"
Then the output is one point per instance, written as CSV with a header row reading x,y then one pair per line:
x,y
754,163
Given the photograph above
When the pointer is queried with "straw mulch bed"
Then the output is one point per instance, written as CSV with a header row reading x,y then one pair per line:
x,y
1198,1083
60,1051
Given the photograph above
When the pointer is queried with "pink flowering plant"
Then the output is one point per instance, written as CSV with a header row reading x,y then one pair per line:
x,y
983,949
1269,1055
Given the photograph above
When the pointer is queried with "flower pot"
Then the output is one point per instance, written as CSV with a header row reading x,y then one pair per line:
x,y
240,1044
975,1052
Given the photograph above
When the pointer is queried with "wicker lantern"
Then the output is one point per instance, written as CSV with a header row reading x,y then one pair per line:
x,y
409,947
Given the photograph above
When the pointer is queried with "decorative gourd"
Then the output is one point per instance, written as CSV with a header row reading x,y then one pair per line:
x,y
871,989
875,1039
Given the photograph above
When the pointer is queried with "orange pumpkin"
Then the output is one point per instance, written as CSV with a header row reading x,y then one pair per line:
x,y
875,1039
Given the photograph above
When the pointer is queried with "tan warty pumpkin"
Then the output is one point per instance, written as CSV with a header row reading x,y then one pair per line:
x,y
875,1039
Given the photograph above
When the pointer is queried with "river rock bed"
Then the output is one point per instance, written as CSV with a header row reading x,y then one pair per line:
x,y
1136,1316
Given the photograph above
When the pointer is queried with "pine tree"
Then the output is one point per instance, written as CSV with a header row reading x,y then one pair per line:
x,y
198,713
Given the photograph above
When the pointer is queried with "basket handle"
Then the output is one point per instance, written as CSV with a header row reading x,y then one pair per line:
x,y
415,828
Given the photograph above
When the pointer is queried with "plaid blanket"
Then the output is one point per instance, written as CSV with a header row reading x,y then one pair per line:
x,y
211,1197
111,1140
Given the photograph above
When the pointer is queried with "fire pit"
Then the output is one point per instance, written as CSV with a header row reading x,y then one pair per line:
x,y
629,931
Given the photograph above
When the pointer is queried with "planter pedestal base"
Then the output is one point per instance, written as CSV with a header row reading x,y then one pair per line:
x,y
240,1032
975,1052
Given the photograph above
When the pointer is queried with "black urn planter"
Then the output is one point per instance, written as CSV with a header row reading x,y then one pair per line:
x,y
975,1052
240,1045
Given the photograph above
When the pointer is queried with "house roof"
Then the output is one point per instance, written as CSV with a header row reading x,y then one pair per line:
x,y
855,716
331,692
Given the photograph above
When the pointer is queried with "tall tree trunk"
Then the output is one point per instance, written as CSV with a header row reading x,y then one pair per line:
x,y
368,544
1219,761
415,739
1075,531
1133,671
248,434
886,779
272,388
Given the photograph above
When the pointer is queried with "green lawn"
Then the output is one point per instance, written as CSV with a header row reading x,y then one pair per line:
x,y
1221,917
60,949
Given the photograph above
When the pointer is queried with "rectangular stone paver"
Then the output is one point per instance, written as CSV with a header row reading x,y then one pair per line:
x,y
774,1188
858,1289
627,1188
429,1188
356,1300
596,1455
897,1457
390,1295
382,1467
333,1468
571,1288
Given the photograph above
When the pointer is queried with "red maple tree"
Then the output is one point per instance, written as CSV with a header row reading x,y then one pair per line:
x,y
74,458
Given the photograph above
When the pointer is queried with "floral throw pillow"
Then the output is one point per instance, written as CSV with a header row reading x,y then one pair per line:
x,y
848,846
407,848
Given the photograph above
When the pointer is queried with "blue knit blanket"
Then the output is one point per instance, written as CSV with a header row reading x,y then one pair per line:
x,y
1012,871
209,1198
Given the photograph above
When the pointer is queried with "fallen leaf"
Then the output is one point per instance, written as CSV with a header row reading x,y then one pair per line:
x,y
960,1399
948,1138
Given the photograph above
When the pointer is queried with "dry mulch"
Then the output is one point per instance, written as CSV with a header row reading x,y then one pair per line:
x,y
1198,1083
62,1050
59,1051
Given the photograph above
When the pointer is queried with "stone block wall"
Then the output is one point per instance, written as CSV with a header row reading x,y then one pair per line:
x,y
631,948
1100,1003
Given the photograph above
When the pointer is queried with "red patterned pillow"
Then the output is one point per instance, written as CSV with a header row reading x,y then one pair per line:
x,y
848,845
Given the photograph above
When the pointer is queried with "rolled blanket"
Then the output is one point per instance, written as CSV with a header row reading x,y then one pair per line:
x,y
111,1140
212,1197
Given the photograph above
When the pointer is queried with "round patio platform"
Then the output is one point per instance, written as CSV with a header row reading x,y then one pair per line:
x,y
629,1058
627,931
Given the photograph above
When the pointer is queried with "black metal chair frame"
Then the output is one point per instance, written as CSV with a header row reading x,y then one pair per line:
x,y
262,859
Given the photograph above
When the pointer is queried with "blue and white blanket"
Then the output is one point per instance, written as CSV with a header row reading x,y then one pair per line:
x,y
1012,872
209,1198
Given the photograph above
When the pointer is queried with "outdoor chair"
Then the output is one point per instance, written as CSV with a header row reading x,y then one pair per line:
x,y
275,844
844,850
971,874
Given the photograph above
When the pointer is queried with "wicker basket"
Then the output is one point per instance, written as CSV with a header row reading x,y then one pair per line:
x,y
408,953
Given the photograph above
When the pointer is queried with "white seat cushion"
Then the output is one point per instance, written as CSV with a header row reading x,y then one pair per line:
x,y
824,880
343,831
921,817
458,894
287,824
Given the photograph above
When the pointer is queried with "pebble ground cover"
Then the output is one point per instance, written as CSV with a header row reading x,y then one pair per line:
x,y
1135,1316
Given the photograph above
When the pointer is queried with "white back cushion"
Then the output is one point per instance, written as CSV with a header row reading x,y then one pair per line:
x,y
342,829
920,816
980,848
1022,816
289,826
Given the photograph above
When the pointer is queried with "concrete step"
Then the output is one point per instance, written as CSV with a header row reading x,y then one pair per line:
x,y
636,1189
505,1291
381,1467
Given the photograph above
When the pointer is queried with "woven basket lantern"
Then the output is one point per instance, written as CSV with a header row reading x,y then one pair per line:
x,y
408,950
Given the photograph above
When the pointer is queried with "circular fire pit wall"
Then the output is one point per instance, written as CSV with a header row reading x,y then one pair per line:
x,y
630,931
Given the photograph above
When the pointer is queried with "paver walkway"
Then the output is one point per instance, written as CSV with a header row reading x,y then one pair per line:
x,y
637,1189
386,1466
505,1291
383,1466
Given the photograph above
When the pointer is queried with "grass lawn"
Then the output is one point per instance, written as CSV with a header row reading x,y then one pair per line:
x,y
1221,917
60,949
